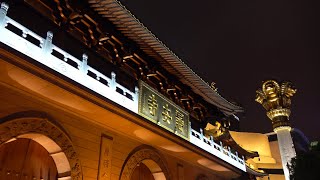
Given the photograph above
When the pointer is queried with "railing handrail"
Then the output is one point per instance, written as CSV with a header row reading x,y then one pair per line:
x,y
46,47
202,141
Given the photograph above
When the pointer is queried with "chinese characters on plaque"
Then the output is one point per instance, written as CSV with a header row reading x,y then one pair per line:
x,y
105,158
159,109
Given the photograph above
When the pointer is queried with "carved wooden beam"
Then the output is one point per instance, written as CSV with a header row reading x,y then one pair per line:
x,y
94,31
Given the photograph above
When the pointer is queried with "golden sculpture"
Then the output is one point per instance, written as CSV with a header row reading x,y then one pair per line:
x,y
215,130
276,99
220,132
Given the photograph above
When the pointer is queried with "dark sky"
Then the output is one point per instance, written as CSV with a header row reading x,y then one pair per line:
x,y
238,44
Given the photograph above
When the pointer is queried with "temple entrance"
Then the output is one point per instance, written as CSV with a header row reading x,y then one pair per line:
x,y
145,163
32,146
142,172
26,159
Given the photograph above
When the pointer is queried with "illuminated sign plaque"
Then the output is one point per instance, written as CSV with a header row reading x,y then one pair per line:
x,y
162,111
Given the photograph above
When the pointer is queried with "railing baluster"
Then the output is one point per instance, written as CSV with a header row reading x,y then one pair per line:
x,y
201,134
237,155
136,94
113,84
83,66
221,146
3,13
47,45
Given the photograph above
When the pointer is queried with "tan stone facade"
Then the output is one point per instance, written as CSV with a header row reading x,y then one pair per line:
x,y
59,115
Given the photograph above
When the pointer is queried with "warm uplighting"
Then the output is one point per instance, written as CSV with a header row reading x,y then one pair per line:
x,y
210,164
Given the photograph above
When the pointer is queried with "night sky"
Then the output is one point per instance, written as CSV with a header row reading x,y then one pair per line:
x,y
238,44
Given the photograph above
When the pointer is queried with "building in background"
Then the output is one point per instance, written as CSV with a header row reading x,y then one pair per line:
x,y
88,92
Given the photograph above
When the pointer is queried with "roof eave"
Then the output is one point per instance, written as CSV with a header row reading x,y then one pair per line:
x,y
152,46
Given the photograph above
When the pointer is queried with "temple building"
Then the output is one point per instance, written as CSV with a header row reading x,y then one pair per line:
x,y
88,92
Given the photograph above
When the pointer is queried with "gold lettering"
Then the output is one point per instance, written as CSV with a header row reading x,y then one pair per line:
x,y
166,114
179,121
153,105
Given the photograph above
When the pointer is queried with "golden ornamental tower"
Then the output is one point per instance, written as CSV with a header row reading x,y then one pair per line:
x,y
276,99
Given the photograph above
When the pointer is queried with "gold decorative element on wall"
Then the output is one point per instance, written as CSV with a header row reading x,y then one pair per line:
x,y
276,99
105,157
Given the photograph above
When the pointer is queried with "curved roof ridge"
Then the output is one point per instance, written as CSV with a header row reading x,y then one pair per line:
x,y
131,27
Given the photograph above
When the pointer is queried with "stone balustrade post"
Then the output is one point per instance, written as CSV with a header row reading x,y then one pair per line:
x,y
201,134
211,140
47,45
83,67
221,146
113,84
3,13
136,94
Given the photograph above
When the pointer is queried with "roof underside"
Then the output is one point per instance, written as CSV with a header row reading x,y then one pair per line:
x,y
130,26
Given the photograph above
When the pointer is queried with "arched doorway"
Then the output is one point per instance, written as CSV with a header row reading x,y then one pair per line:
x,y
142,172
38,128
26,159
145,163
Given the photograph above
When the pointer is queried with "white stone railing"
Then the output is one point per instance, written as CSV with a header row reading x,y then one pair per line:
x,y
218,150
78,70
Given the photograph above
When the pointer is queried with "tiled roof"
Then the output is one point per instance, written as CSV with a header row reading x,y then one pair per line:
x,y
131,27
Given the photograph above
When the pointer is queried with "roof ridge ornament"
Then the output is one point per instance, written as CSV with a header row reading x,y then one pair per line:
x,y
213,87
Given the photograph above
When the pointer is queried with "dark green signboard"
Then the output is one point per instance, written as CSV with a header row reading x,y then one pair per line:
x,y
162,111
